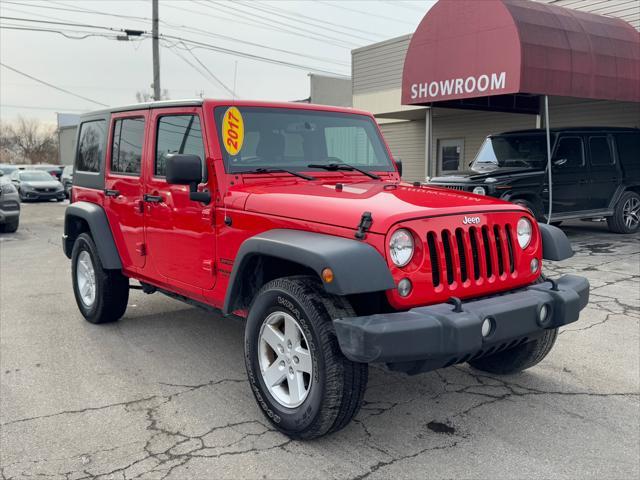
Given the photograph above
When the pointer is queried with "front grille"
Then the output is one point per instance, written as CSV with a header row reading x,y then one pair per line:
x,y
471,255
45,190
454,187
9,205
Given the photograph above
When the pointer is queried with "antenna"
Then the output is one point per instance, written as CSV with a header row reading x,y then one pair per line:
x,y
235,78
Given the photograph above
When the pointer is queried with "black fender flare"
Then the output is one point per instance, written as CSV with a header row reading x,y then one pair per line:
x,y
555,244
96,219
357,266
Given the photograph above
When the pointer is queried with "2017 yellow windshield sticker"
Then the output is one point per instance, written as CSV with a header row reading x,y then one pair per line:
x,y
232,130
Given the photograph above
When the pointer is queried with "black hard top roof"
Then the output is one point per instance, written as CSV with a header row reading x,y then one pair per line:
x,y
147,106
570,129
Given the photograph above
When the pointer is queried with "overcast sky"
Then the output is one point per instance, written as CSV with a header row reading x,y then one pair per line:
x,y
319,34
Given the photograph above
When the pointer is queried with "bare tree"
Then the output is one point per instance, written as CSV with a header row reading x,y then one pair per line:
x,y
28,141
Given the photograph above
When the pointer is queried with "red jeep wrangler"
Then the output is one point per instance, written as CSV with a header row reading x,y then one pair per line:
x,y
294,217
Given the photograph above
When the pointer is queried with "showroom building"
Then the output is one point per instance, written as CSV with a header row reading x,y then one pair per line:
x,y
474,68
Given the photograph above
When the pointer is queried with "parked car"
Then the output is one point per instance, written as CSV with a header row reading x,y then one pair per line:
x,y
596,173
8,169
294,217
37,185
9,205
66,178
54,170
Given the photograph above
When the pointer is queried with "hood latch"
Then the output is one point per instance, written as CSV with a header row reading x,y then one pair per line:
x,y
365,224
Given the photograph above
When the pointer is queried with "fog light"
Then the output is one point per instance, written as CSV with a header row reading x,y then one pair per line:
x,y
479,191
487,327
534,265
543,314
404,287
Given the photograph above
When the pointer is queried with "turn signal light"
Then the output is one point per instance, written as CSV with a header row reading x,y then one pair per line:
x,y
327,275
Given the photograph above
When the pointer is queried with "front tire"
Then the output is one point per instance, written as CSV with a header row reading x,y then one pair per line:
x,y
10,227
519,358
101,295
626,216
302,382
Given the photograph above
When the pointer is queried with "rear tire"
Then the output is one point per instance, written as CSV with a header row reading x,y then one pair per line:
x,y
10,227
101,295
332,386
519,358
626,216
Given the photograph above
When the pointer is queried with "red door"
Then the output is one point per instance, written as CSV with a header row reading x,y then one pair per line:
x,y
124,171
179,232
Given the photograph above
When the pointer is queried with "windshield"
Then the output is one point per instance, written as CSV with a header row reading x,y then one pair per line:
x,y
512,151
35,176
257,137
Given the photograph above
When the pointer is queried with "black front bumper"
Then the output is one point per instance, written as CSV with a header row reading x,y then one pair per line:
x,y
426,338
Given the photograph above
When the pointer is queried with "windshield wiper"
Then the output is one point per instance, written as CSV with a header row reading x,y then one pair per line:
x,y
333,167
278,170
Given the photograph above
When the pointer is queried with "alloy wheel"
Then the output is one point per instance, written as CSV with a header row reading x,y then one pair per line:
x,y
86,278
631,213
285,359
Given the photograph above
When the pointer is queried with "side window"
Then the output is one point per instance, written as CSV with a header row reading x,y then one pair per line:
x,y
628,149
571,150
600,151
177,134
126,151
350,145
91,146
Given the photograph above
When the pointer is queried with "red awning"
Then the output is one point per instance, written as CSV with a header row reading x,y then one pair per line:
x,y
469,49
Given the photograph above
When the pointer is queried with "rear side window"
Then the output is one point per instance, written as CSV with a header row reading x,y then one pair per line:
x,y
571,150
126,151
629,149
600,151
177,134
91,146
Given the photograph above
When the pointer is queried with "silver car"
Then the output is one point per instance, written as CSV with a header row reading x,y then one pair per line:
x,y
9,205
37,185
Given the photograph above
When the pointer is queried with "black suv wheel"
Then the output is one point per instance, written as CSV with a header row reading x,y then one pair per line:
x,y
101,295
626,216
301,380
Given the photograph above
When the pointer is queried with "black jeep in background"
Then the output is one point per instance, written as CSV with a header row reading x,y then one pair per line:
x,y
595,174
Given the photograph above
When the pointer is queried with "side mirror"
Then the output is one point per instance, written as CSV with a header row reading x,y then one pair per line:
x,y
560,162
185,169
399,165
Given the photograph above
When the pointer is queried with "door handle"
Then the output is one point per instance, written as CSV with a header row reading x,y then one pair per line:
x,y
152,198
111,193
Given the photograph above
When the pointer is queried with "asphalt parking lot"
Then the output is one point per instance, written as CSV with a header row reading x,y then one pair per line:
x,y
162,393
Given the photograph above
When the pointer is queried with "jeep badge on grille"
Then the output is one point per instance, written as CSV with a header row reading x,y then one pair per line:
x,y
471,220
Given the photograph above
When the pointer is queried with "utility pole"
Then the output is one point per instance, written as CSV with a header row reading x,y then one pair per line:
x,y
156,51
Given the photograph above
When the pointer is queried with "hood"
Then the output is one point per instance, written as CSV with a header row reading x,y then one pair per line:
x,y
388,203
42,184
471,176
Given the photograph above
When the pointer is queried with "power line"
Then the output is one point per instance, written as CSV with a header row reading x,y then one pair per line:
x,y
313,23
51,85
250,55
175,51
67,24
222,84
361,12
82,34
281,27
195,30
49,109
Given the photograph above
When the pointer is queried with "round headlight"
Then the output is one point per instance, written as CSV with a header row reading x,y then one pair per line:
x,y
524,232
401,247
479,191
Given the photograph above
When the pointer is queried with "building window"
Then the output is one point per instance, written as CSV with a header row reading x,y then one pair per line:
x,y
126,151
91,146
177,134
450,154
